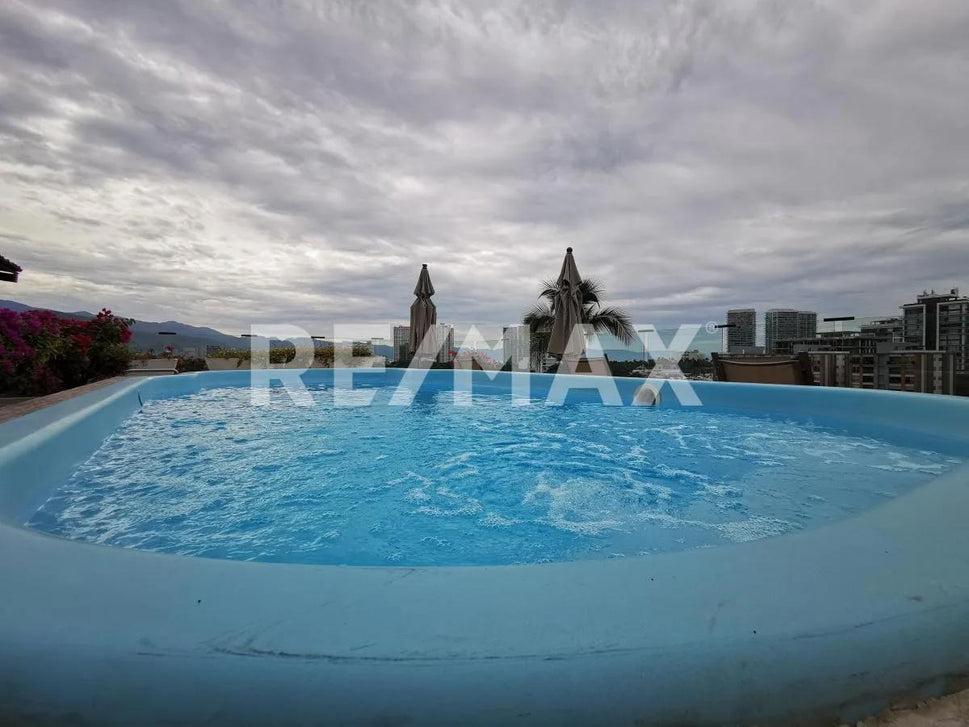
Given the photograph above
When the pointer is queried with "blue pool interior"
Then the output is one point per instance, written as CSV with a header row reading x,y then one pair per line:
x,y
824,624
471,478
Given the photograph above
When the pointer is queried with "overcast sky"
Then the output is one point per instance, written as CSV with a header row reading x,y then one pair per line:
x,y
228,163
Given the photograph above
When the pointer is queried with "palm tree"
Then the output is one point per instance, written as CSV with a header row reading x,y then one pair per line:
x,y
601,319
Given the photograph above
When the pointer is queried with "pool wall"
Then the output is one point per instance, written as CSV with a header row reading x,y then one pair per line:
x,y
823,624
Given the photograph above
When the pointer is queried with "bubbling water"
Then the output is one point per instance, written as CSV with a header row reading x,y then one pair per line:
x,y
433,483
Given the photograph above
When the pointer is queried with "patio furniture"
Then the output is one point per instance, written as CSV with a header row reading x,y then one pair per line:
x,y
153,367
227,364
794,370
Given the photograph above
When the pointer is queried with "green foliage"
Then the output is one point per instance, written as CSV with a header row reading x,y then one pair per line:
x,y
690,367
282,354
277,354
602,319
626,368
325,355
109,359
188,364
243,353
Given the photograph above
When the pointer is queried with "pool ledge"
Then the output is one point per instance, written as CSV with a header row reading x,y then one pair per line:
x,y
824,624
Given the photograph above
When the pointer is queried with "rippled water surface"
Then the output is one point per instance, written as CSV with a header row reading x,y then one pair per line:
x,y
434,484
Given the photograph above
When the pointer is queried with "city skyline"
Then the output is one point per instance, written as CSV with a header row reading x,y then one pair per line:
x,y
492,333
933,330
365,329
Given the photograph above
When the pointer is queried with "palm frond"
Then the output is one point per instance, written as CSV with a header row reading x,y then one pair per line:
x,y
614,321
591,290
539,318
549,289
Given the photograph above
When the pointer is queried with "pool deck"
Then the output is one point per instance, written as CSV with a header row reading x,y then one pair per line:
x,y
824,625
37,403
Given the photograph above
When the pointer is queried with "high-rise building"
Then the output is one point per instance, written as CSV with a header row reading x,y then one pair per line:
x,y
886,329
807,324
515,345
779,324
741,330
920,319
401,343
848,341
785,323
929,372
444,337
953,331
859,349
939,322
860,361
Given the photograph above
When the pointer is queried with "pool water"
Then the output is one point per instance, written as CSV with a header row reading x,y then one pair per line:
x,y
434,483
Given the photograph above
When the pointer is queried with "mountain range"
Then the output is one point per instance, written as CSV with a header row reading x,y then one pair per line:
x,y
145,335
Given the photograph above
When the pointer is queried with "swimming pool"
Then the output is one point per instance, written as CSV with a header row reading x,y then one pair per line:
x,y
777,553
469,482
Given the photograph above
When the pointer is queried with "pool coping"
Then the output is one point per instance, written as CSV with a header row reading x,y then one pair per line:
x,y
36,403
829,623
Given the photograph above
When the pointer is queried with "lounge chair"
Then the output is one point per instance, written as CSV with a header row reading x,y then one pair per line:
x,y
153,367
227,364
794,370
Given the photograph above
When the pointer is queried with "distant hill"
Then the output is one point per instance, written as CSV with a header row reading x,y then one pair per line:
x,y
145,334
20,308
195,339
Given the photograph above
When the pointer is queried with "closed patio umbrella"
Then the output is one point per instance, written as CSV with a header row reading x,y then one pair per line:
x,y
567,308
423,316
9,270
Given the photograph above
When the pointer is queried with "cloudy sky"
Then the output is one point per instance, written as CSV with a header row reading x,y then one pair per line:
x,y
228,163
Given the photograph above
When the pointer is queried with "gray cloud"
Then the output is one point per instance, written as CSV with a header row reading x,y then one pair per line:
x,y
231,163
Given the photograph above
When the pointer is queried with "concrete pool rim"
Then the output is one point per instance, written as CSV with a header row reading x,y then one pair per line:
x,y
831,622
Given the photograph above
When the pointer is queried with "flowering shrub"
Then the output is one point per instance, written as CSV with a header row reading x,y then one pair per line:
x,y
41,353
